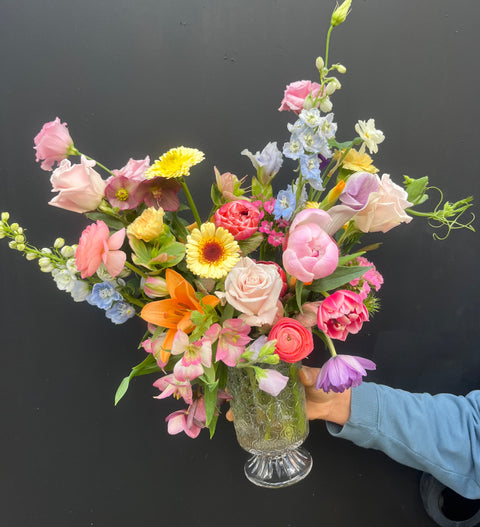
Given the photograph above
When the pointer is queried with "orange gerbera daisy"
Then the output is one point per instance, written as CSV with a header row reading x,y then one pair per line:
x,y
174,313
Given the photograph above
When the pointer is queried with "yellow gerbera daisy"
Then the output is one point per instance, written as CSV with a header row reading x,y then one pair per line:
x,y
175,163
356,161
211,252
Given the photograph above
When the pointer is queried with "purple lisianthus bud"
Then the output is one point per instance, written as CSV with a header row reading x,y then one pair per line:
x,y
358,188
342,372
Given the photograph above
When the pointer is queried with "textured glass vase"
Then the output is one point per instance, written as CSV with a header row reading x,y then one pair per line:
x,y
271,428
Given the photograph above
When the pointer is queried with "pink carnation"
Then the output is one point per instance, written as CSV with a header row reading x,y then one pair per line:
x,y
341,313
97,246
296,93
53,143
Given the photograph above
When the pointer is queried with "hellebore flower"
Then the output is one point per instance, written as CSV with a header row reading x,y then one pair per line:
x,y
342,372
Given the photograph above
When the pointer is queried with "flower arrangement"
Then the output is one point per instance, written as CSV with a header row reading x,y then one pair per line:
x,y
249,285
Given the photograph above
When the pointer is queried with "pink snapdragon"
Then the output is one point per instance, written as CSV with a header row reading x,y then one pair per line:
x,y
96,246
53,144
310,252
80,188
341,313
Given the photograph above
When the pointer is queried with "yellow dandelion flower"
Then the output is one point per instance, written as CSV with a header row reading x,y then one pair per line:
x,y
211,252
176,163
356,161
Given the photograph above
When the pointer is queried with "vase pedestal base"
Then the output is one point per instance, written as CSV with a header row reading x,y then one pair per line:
x,y
278,469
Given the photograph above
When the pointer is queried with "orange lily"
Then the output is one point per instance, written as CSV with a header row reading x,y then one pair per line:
x,y
174,313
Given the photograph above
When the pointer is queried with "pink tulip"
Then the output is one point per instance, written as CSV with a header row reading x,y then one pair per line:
x,y
310,252
80,188
97,246
53,143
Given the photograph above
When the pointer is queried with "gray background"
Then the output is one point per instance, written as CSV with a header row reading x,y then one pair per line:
x,y
137,78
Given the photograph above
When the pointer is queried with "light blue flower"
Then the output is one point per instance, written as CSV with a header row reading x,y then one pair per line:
x,y
311,118
310,168
267,162
313,142
293,149
327,128
103,295
120,312
285,204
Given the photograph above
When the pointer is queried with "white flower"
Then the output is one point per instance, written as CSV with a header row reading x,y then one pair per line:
x,y
64,279
80,290
369,134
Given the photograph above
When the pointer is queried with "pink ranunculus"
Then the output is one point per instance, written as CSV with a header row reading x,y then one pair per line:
x,y
310,252
134,169
96,246
341,313
296,93
53,143
79,187
254,289
294,341
240,218
385,208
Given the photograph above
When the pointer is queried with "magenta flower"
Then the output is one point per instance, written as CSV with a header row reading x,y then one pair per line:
x,y
121,192
372,278
341,313
190,421
342,372
159,192
96,246
310,252
53,143
232,341
170,385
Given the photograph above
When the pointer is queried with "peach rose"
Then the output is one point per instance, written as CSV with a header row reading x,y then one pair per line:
x,y
254,289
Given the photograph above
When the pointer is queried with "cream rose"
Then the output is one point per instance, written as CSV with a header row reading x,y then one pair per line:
x,y
385,208
254,289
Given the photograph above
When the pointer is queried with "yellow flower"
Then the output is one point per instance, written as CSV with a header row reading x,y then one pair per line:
x,y
356,161
312,205
148,226
176,163
211,252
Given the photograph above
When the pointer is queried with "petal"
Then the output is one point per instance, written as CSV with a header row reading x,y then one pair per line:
x,y
116,240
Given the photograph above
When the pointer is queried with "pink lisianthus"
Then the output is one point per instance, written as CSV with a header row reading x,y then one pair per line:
x,y
53,143
232,340
296,93
240,218
341,313
310,252
96,246
155,287
342,372
254,289
294,341
80,188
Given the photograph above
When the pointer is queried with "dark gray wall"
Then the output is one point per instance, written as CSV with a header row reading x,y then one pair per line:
x,y
136,78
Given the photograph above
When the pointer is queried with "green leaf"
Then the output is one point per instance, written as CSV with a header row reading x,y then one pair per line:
x,y
112,222
210,394
298,294
416,189
251,244
341,276
147,366
349,257
122,389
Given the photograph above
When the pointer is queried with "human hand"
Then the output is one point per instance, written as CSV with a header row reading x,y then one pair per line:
x,y
331,406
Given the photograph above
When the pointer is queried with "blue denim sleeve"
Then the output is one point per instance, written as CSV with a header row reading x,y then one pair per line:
x,y
438,434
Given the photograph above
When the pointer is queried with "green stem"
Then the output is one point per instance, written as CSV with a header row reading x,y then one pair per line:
x,y
191,202
331,347
74,151
133,300
135,270
327,48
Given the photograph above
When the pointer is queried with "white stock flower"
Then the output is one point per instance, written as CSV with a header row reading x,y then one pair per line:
x,y
369,135
64,279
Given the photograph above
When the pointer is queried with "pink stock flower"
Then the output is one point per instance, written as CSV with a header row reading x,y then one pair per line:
x,y
170,385
341,313
190,421
96,246
121,192
310,252
134,169
296,93
254,289
294,341
53,143
240,218
272,381
81,189
342,372
232,341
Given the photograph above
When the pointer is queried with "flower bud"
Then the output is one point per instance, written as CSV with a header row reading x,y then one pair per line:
x,y
332,86
341,68
46,250
2,234
14,226
59,243
340,13
326,105
47,268
19,238
67,251
44,262
31,256
319,63
20,247
5,216
12,244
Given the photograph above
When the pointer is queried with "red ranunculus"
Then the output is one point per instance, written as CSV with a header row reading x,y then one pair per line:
x,y
240,218
294,341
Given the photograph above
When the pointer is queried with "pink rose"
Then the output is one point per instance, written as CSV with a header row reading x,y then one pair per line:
x,y
254,290
294,341
310,252
240,218
385,208
341,313
53,143
96,246
80,188
296,93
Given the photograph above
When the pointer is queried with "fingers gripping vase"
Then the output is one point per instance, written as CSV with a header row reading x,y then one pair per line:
x,y
271,428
